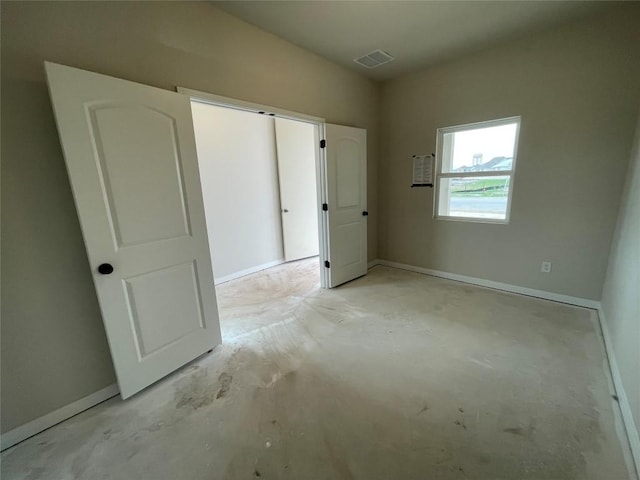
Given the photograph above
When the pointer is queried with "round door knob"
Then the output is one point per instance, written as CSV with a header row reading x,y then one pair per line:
x,y
105,269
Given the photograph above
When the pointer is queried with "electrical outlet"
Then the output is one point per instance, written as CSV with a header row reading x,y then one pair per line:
x,y
546,267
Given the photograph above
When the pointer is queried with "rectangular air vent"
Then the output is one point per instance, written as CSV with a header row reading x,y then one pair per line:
x,y
374,59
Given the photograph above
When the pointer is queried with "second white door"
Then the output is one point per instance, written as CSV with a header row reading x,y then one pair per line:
x,y
346,171
296,151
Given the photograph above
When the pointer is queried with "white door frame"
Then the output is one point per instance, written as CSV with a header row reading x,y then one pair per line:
x,y
321,173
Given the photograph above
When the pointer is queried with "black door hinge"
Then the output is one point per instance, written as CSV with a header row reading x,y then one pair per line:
x,y
323,143
325,207
365,213
327,264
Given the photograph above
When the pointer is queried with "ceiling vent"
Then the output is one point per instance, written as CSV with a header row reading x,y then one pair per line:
x,y
374,59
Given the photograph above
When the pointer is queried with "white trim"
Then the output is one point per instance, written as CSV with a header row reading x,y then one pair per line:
x,y
373,263
484,173
322,189
247,271
451,218
531,292
36,426
623,401
229,102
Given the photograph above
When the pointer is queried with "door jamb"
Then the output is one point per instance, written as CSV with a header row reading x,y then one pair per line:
x,y
321,161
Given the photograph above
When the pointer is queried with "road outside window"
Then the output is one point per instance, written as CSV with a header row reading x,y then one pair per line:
x,y
475,168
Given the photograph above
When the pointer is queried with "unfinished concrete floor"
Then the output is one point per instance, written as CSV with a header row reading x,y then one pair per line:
x,y
395,375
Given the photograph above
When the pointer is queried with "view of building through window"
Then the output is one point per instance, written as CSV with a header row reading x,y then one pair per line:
x,y
476,166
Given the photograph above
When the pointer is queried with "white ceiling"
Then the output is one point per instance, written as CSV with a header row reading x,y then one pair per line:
x,y
417,33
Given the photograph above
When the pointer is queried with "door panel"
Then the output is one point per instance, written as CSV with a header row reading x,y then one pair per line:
x,y
349,254
124,138
346,156
348,174
165,306
296,151
131,158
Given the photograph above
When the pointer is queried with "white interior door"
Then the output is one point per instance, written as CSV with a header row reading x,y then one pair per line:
x,y
346,170
131,158
296,151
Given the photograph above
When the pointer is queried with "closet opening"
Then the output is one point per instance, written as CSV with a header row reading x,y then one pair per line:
x,y
259,176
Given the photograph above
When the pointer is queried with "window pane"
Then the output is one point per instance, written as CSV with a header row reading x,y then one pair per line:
x,y
469,197
480,149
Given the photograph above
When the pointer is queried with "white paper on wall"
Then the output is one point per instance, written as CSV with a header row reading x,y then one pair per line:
x,y
422,171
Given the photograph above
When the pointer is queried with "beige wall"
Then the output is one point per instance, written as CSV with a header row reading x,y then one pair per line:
x,y
54,349
621,293
576,89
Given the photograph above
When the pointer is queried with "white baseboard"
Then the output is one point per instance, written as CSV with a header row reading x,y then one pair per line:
x,y
50,419
531,292
623,401
247,271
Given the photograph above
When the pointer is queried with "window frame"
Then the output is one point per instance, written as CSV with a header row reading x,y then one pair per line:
x,y
439,174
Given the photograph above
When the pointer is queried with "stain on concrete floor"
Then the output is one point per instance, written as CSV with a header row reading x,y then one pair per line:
x,y
393,376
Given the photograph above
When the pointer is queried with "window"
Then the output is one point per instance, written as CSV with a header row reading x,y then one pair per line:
x,y
475,168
